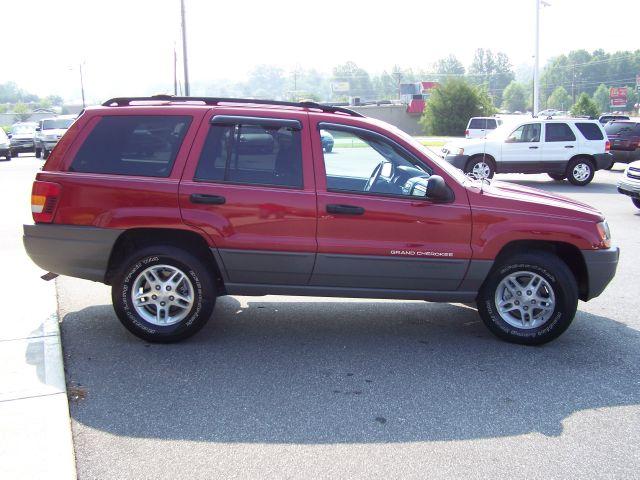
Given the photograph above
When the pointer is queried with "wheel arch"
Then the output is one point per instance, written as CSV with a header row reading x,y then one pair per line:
x,y
133,239
568,253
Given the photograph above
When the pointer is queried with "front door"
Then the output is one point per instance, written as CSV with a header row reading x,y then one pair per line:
x,y
522,150
373,232
249,185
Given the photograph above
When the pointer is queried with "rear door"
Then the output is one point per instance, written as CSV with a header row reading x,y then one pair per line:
x,y
560,145
372,232
249,185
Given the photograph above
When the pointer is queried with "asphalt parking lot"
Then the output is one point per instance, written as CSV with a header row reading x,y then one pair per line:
x,y
293,387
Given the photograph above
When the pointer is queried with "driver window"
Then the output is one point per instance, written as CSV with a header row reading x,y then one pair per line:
x,y
525,134
366,164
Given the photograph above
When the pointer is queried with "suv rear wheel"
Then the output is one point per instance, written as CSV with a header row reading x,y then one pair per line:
x,y
580,171
529,298
163,294
481,166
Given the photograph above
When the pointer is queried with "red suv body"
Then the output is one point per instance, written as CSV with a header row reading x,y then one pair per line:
x,y
176,201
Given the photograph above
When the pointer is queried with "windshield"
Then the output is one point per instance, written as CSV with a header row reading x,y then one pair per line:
x,y
61,123
618,128
22,128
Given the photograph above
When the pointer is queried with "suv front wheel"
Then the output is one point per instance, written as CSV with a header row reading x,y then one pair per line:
x,y
529,298
480,166
163,294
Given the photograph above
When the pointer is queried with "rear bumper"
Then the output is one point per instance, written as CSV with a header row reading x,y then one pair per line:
x,y
601,268
81,252
603,160
625,156
459,161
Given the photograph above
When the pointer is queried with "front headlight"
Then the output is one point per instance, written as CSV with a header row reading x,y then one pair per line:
x,y
605,234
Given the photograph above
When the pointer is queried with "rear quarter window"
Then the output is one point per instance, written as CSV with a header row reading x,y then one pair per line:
x,y
477,123
590,131
132,145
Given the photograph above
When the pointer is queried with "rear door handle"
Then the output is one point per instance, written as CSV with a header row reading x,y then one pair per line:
x,y
568,146
533,148
345,209
208,199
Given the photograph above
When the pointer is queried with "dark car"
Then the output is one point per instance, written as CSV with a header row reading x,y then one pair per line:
x,y
624,137
163,199
22,138
610,117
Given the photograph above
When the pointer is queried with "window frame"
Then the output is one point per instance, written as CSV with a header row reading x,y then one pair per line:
x,y
523,125
241,120
597,126
383,138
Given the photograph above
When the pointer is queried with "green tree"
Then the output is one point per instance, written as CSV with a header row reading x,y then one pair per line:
x,y
494,72
514,97
585,106
449,65
452,104
601,97
22,112
55,100
266,81
559,99
359,81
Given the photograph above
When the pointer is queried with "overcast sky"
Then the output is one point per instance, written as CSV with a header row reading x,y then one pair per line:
x,y
127,45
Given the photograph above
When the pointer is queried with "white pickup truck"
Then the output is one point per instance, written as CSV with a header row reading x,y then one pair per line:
x,y
571,148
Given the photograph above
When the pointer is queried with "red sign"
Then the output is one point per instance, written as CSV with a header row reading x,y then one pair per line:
x,y
618,96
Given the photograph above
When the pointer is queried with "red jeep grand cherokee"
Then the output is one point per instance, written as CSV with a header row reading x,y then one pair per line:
x,y
175,201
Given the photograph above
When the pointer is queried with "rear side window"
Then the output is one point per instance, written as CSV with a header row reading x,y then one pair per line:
x,y
491,124
132,145
478,123
558,132
252,154
590,131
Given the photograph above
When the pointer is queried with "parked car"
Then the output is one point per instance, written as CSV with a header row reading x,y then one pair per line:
x,y
327,141
625,140
610,117
549,112
479,127
566,148
49,131
630,183
195,218
5,150
21,138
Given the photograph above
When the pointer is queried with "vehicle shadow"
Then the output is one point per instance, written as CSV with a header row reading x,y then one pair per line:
x,y
309,372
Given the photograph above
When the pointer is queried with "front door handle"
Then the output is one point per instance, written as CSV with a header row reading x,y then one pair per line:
x,y
207,199
533,148
345,209
568,146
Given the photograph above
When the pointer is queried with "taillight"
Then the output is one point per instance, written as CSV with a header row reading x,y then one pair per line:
x,y
607,146
466,133
44,200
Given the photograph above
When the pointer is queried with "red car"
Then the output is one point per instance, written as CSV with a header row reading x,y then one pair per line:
x,y
176,201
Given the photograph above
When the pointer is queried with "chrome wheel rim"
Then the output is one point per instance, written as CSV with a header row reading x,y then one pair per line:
x,y
581,172
481,170
525,300
162,295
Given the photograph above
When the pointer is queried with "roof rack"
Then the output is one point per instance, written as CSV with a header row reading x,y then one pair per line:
x,y
125,101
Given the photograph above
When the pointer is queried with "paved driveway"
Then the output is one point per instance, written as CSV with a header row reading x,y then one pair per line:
x,y
292,387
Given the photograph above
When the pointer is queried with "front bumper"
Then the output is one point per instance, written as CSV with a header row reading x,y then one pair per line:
x,y
81,252
601,268
459,161
628,188
22,147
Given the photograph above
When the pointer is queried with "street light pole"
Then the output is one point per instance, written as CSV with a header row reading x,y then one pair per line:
x,y
82,86
184,50
536,64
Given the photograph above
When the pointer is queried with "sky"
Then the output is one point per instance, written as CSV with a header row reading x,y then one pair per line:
x,y
126,46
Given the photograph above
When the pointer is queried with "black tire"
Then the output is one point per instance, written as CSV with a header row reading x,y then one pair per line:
x,y
13,154
576,162
328,148
202,282
556,177
486,159
45,154
38,152
610,166
556,273
636,202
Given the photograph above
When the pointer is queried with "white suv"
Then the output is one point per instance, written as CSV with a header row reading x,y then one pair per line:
x,y
479,127
571,148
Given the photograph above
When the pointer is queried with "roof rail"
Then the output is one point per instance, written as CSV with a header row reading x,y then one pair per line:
x,y
125,101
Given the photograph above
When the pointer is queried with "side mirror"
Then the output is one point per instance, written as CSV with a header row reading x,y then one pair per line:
x,y
9,135
38,129
437,190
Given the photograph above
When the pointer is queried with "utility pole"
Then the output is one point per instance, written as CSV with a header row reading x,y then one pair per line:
x,y
82,86
536,64
175,71
184,49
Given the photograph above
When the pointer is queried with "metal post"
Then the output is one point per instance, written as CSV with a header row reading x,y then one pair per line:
x,y
82,86
184,50
536,65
